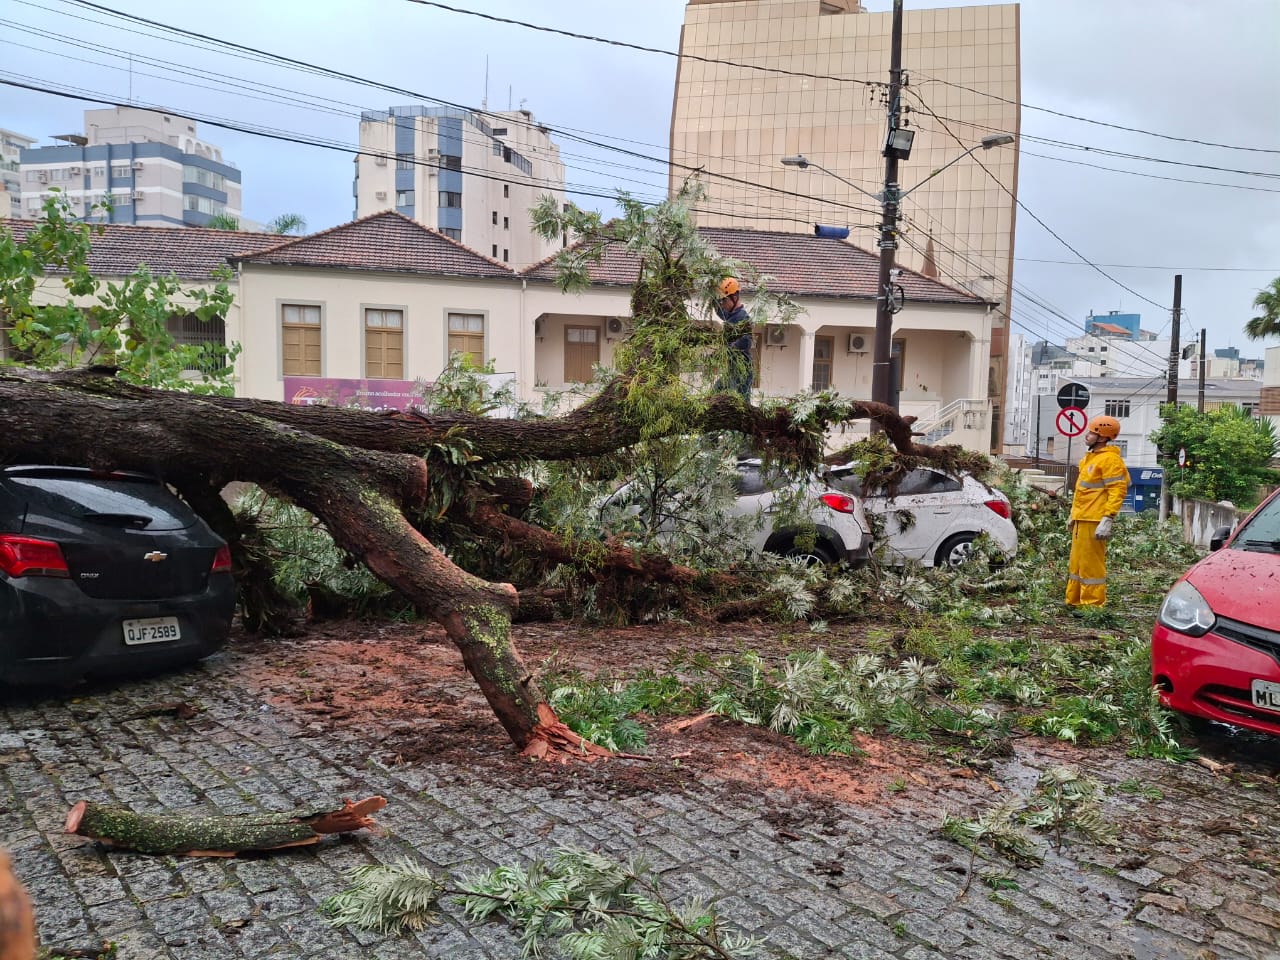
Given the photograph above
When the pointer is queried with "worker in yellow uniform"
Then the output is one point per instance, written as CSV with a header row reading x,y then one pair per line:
x,y
1100,490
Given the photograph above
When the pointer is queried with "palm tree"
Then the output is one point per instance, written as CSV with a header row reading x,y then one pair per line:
x,y
285,223
1268,324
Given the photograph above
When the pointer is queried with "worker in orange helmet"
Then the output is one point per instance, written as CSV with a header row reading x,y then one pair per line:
x,y
737,337
1099,493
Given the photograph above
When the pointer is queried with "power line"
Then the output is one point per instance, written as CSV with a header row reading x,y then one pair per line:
x,y
1100,123
1022,206
1143,266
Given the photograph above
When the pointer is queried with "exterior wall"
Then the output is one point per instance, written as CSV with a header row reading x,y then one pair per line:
x,y
426,302
11,147
149,164
740,123
507,162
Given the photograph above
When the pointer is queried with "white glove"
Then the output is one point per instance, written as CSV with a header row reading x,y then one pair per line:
x,y
1103,532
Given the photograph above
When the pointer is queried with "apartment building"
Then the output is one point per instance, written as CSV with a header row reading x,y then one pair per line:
x,y
152,165
782,78
472,176
11,146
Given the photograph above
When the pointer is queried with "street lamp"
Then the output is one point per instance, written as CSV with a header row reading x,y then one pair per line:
x,y
886,304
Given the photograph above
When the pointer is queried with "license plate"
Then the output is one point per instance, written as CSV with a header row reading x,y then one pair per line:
x,y
1266,695
151,630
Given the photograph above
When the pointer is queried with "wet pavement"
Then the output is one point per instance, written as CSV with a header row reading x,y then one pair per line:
x,y
1196,874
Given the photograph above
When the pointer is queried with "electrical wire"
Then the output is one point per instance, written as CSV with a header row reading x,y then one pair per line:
x,y
1053,233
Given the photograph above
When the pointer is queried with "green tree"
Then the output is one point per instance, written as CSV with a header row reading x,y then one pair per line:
x,y
92,322
1227,452
1266,324
285,223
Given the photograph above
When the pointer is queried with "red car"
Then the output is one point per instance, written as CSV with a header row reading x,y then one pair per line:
x,y
1215,650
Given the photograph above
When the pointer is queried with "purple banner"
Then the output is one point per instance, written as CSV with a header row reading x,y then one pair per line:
x,y
363,394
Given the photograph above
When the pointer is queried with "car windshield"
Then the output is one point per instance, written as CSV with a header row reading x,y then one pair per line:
x,y
1262,532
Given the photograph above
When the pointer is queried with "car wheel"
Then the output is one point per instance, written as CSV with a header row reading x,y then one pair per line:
x,y
819,553
955,551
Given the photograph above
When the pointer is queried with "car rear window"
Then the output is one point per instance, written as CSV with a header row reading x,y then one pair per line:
x,y
87,497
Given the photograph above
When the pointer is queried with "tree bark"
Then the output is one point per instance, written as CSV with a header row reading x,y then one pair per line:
x,y
216,836
17,922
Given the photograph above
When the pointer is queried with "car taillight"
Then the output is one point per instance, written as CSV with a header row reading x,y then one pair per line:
x,y
839,502
221,560
1000,507
28,557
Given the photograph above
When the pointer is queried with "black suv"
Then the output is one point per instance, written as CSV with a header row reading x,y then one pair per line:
x,y
104,573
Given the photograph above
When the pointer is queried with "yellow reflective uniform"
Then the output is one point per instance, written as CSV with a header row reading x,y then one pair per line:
x,y
1100,490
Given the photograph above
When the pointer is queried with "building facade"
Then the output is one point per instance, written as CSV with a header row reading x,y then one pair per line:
x,y
472,176
11,147
152,167
781,78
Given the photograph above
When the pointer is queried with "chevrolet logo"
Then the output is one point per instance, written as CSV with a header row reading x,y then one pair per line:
x,y
155,556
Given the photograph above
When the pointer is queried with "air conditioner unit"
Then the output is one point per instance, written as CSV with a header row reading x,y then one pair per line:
x,y
432,152
380,160
138,196
776,335
137,164
43,176
380,195
74,171
615,326
857,343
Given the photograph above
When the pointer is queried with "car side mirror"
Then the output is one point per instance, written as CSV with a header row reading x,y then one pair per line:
x,y
1219,537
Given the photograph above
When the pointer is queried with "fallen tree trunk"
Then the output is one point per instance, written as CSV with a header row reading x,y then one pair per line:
x,y
216,836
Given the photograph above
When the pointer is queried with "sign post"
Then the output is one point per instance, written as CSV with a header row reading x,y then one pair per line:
x,y
1071,423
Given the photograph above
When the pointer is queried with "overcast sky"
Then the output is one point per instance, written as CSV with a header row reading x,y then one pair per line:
x,y
1184,68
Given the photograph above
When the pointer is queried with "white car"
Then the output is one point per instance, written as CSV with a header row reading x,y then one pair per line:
x,y
947,515
805,519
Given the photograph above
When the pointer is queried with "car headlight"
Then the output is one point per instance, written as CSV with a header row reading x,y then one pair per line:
x,y
1186,611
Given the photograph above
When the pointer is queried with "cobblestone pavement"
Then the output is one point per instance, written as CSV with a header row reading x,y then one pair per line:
x,y
1196,877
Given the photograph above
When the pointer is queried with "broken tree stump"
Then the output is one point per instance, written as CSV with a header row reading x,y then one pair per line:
x,y
216,836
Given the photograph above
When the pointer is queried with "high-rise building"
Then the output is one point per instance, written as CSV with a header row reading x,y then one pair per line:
x,y
151,164
11,147
472,176
760,80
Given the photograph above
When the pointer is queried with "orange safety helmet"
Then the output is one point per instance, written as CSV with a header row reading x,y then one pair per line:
x,y
727,287
1108,427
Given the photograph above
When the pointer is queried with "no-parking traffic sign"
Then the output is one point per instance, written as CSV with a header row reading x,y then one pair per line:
x,y
1072,421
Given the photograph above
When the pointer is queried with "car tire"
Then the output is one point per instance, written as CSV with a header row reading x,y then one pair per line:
x,y
955,551
820,553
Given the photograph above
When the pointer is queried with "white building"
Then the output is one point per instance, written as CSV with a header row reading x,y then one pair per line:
x,y
472,176
11,147
152,165
1135,402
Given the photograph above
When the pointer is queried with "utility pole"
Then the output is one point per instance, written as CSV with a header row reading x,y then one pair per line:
x,y
1171,395
1204,335
882,361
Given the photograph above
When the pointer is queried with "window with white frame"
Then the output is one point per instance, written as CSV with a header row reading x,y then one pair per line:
x,y
300,339
1116,408
466,335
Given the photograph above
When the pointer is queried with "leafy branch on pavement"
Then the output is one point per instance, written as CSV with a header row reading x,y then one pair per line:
x,y
592,907
1062,801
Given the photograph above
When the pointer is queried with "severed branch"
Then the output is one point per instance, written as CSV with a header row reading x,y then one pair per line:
x,y
216,836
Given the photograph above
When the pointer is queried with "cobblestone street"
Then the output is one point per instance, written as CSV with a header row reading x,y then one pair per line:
x,y
1197,875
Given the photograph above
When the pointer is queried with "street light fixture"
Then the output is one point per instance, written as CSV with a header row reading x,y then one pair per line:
x,y
803,162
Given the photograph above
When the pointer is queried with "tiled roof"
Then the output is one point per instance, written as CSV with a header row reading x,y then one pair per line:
x,y
801,265
385,242
191,253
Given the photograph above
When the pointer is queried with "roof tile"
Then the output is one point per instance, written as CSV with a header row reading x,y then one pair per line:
x,y
799,265
386,242
190,253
